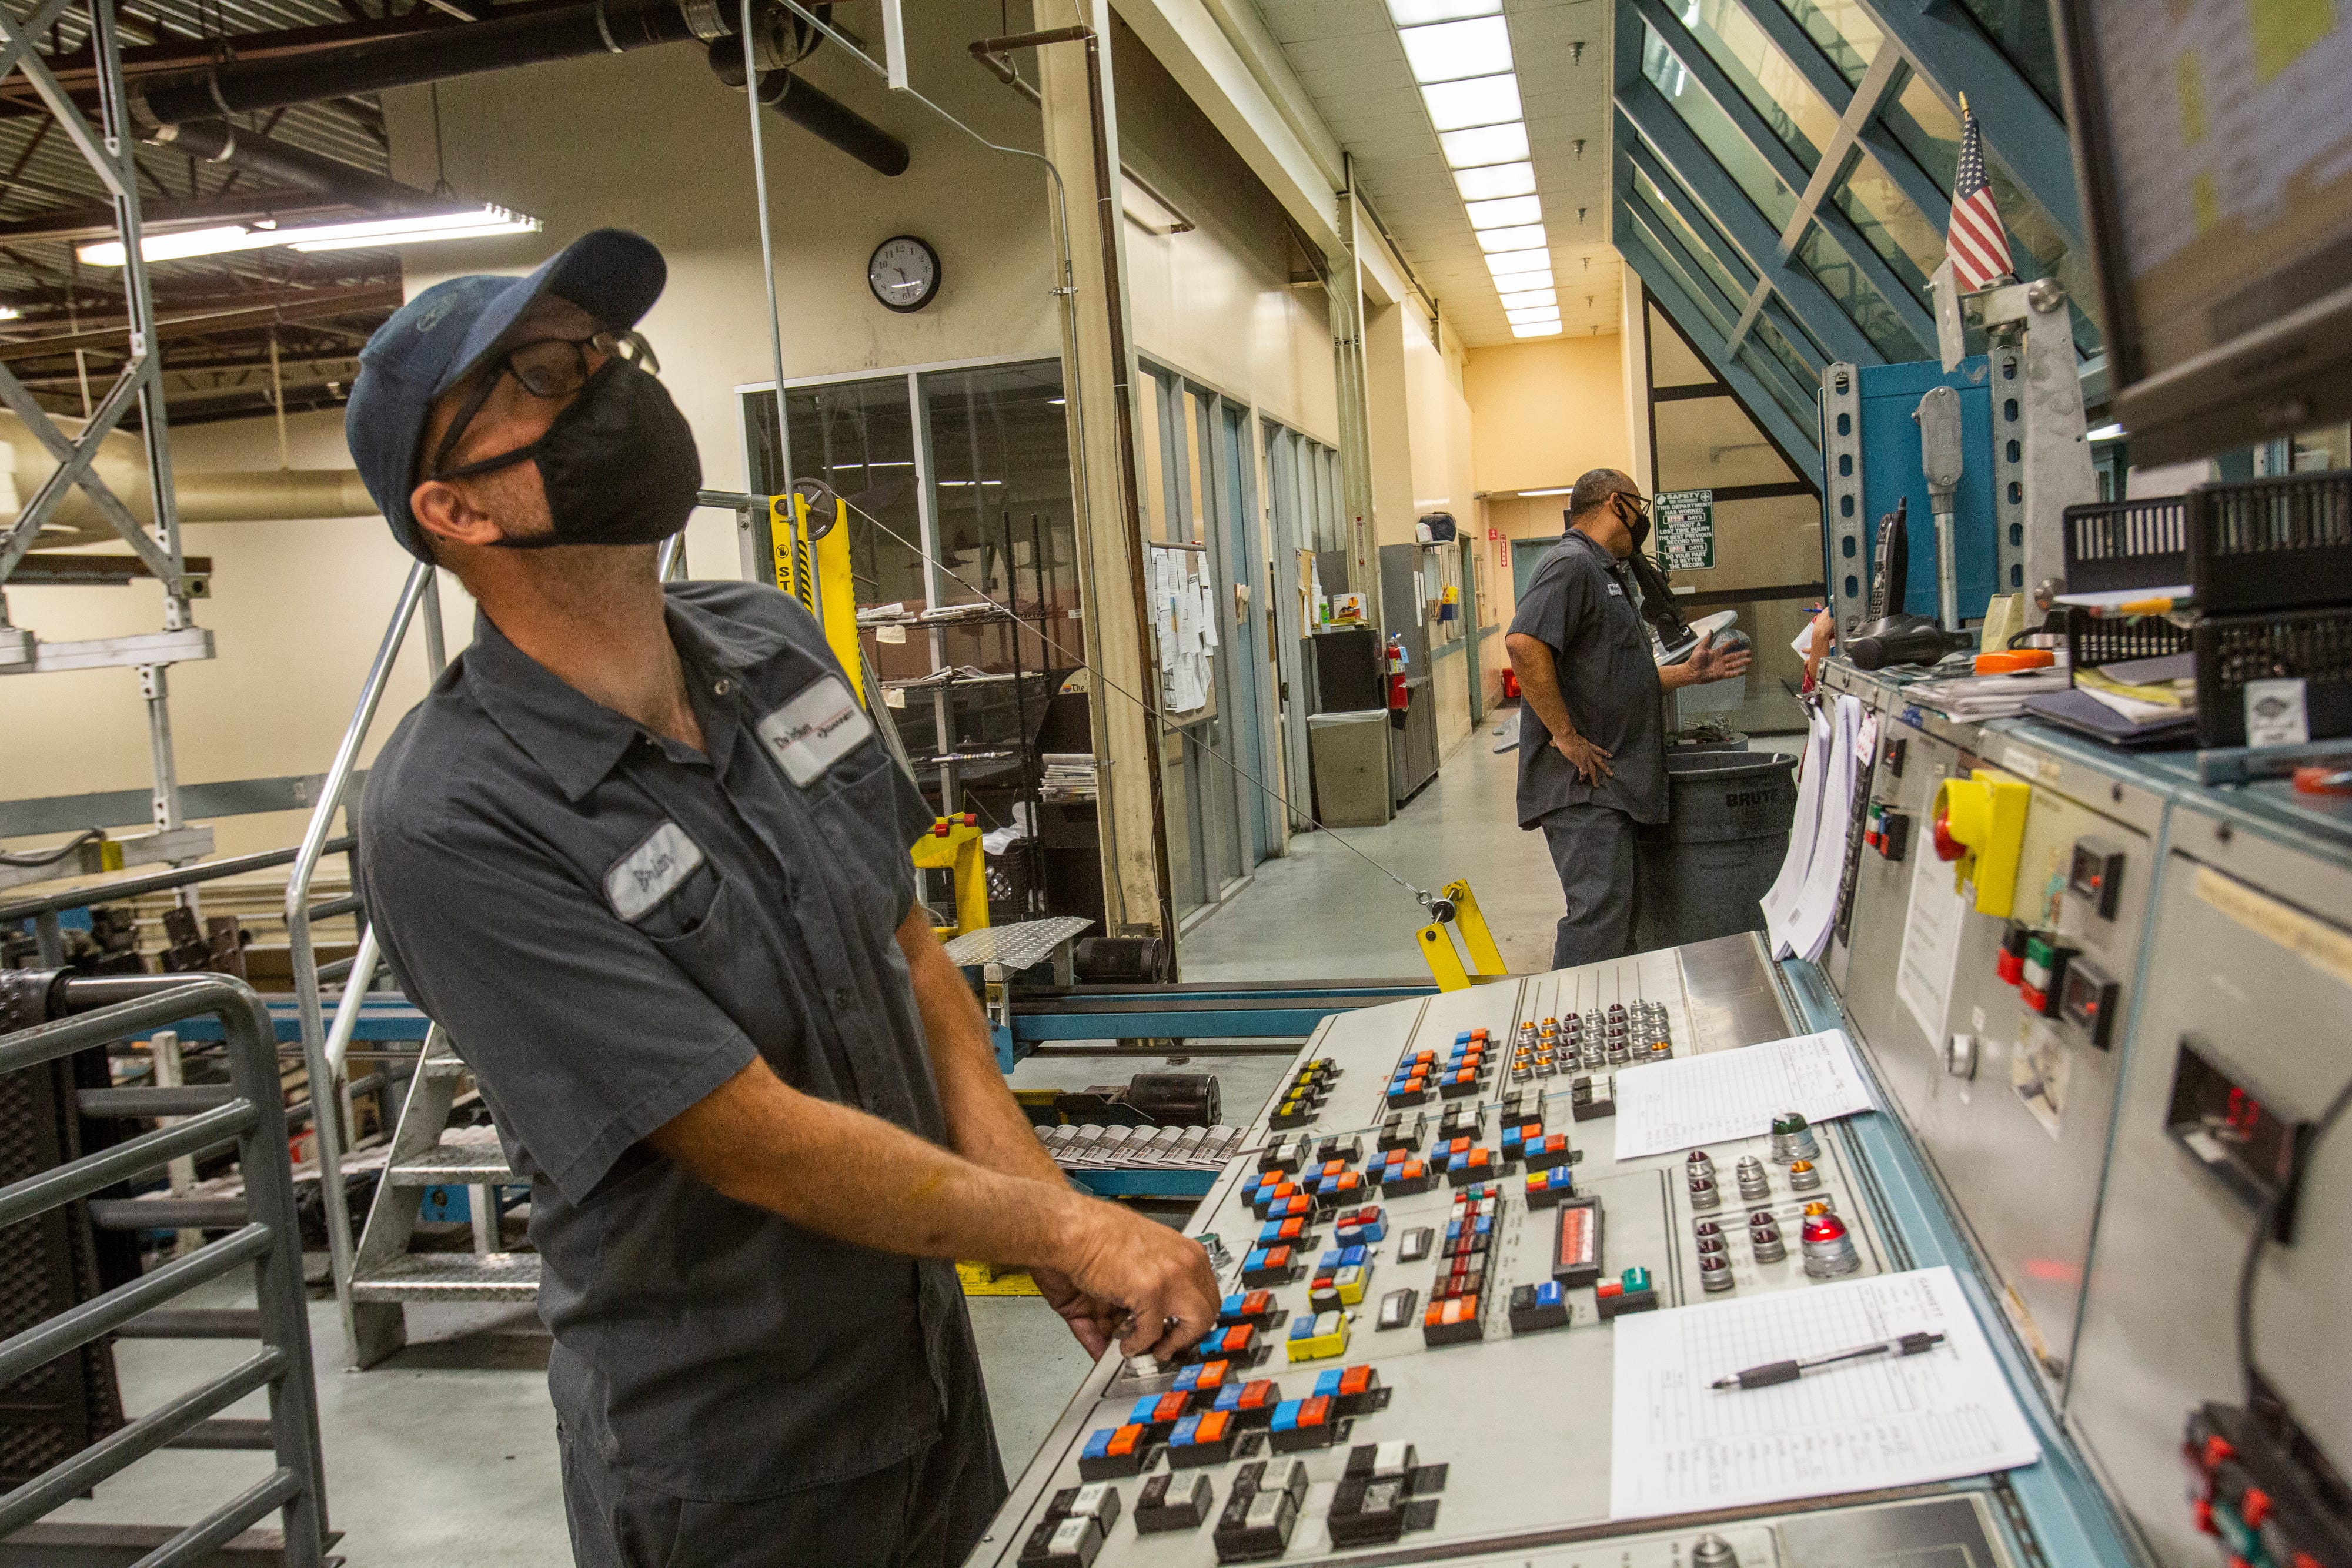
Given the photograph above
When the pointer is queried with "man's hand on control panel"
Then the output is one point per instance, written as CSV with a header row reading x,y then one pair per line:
x,y
1130,1278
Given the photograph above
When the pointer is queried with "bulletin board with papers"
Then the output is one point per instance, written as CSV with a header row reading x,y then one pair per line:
x,y
1184,617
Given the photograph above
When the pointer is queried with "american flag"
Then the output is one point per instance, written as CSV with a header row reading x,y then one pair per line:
x,y
1976,242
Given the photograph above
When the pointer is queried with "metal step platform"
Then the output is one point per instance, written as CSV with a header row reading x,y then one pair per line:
x,y
426,1151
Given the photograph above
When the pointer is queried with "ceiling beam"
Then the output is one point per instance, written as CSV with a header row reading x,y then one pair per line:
x,y
301,305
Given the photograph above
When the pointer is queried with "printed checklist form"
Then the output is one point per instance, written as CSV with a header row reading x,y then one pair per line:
x,y
1681,1446
1719,1095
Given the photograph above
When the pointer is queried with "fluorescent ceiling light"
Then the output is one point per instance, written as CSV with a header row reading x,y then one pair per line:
x,y
1497,180
1536,329
1503,264
1481,101
1555,490
2106,432
1418,13
1520,238
412,229
1513,282
1452,50
1485,145
217,241
1524,318
1505,213
1530,299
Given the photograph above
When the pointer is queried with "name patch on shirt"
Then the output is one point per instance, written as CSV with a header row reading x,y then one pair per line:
x,y
814,731
1617,590
652,872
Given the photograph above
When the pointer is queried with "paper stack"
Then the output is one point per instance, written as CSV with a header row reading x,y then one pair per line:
x,y
1068,776
1975,698
1800,906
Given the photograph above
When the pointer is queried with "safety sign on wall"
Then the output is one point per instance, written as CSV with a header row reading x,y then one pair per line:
x,y
1686,529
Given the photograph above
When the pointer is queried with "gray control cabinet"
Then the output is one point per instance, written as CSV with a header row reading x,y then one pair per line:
x,y
2252,967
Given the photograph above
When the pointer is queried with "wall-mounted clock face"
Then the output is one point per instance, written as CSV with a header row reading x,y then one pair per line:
x,y
904,273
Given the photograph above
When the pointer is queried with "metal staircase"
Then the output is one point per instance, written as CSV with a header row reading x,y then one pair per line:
x,y
427,1152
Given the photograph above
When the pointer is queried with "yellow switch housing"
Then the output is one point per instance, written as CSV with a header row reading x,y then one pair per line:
x,y
1986,814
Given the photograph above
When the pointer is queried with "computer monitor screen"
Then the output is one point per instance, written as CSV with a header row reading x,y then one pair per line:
x,y
2214,143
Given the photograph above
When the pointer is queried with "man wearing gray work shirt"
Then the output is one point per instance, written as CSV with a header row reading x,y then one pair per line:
x,y
1591,745
642,853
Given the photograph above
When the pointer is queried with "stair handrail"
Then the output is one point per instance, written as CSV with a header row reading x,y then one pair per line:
x,y
325,1074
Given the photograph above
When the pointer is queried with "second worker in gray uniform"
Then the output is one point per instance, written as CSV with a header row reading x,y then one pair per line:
x,y
1592,743
642,853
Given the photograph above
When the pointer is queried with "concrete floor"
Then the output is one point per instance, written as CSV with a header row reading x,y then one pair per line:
x,y
447,1453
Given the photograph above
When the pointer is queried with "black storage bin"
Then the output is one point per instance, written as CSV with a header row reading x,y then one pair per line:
x,y
2116,545
2314,646
2113,545
2095,640
2272,544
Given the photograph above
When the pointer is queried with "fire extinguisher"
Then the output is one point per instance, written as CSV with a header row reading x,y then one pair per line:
x,y
1398,697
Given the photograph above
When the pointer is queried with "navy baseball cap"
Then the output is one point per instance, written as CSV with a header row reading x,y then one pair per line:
x,y
437,339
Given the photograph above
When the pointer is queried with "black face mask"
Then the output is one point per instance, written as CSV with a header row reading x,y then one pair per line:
x,y
619,463
1639,527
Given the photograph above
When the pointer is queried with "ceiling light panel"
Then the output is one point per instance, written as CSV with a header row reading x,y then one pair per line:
x,y
1519,238
1486,144
1536,329
1518,282
1505,213
1503,263
1453,51
1481,101
1528,300
1499,180
1525,318
1419,13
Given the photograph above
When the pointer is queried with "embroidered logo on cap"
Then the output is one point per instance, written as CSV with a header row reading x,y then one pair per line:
x,y
814,731
652,872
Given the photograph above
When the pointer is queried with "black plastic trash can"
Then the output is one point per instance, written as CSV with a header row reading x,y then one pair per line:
x,y
1705,868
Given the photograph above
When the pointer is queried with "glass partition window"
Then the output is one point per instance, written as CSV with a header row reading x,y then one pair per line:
x,y
1843,30
2020,30
1672,362
972,467
1713,253
1905,238
1763,75
1835,270
1000,469
1714,128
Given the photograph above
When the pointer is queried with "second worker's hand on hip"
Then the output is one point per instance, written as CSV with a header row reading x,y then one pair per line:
x,y
1591,761
1119,1273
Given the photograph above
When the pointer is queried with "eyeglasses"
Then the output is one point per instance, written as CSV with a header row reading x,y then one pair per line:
x,y
1640,504
545,368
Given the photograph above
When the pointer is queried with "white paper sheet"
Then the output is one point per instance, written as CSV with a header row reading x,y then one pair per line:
x,y
1208,615
1718,1096
1808,918
1682,1447
1931,943
1793,865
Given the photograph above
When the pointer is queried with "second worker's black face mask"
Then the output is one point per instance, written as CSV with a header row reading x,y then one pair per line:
x,y
619,463
1638,525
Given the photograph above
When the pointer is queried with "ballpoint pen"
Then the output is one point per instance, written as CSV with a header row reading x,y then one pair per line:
x,y
1773,1372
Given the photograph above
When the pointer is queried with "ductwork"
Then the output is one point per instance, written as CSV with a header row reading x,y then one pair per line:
x,y
538,38
253,496
821,115
217,142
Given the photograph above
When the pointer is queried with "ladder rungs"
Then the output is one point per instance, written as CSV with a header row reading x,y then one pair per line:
x,y
452,1277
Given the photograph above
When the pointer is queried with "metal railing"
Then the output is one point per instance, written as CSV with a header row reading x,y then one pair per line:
x,y
326,1089
271,1239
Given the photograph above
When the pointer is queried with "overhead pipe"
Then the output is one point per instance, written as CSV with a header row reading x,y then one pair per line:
x,y
218,141
1003,70
826,118
538,38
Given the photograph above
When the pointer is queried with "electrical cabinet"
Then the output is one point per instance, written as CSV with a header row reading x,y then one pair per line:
x,y
2239,1038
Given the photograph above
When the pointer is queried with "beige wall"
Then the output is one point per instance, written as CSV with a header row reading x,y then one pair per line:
x,y
1548,410
297,612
